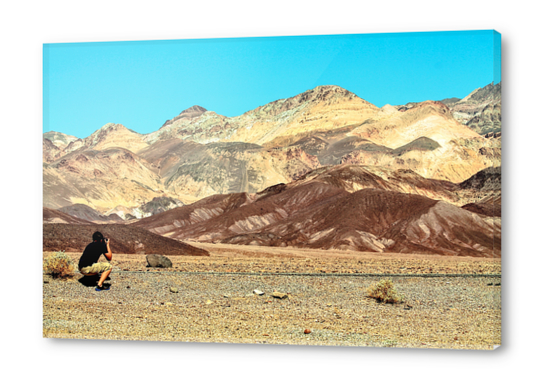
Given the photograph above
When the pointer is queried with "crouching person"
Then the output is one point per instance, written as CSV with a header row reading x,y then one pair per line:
x,y
89,265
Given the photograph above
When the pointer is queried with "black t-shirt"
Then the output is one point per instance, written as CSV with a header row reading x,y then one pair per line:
x,y
92,253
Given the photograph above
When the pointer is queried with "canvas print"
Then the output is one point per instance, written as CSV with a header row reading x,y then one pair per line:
x,y
340,190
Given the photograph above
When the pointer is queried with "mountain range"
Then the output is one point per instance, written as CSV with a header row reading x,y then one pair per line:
x,y
284,173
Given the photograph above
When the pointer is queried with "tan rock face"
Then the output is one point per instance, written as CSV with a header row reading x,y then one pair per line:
x,y
115,135
50,151
429,119
100,179
60,140
323,108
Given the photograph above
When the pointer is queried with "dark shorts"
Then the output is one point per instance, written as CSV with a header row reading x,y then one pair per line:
x,y
96,268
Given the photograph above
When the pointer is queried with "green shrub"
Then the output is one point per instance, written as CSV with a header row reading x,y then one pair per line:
x,y
59,265
385,292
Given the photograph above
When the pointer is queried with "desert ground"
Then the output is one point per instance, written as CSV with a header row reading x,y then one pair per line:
x,y
450,302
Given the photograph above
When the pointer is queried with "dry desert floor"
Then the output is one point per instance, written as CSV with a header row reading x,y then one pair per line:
x,y
450,302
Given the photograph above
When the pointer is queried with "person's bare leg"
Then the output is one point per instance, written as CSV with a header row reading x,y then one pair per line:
x,y
104,276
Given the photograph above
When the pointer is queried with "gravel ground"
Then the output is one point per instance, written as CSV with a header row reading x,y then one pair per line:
x,y
442,312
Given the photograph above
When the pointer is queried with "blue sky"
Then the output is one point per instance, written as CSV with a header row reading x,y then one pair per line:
x,y
142,84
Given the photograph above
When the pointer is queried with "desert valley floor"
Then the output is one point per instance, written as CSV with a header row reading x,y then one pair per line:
x,y
450,302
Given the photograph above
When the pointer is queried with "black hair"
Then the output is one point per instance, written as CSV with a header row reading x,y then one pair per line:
x,y
97,236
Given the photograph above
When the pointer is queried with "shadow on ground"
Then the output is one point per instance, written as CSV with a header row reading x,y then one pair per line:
x,y
91,281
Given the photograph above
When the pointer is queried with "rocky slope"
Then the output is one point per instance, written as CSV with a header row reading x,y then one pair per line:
x,y
425,139
482,192
124,240
84,212
322,108
50,151
60,140
115,135
53,216
100,179
481,109
353,178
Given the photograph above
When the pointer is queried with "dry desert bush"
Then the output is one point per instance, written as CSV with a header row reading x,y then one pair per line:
x,y
384,291
59,265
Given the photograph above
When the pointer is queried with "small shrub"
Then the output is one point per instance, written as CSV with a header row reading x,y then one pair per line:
x,y
59,265
385,292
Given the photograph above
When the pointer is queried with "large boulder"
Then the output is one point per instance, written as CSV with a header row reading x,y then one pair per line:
x,y
157,260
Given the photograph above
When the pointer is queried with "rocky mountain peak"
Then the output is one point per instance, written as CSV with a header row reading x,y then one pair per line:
x,y
325,92
193,111
112,126
189,113
488,93
101,133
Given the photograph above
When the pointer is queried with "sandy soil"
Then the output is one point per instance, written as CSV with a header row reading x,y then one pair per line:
x,y
214,304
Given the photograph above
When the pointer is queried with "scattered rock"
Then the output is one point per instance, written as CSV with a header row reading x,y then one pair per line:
x,y
157,260
258,292
279,295
174,290
307,331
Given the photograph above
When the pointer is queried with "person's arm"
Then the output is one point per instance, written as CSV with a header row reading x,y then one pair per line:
x,y
109,254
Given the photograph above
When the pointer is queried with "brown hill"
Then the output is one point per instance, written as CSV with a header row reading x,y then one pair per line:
x,y
489,206
353,178
482,191
222,216
316,214
375,220
87,213
124,240
57,217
